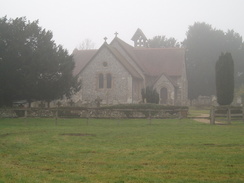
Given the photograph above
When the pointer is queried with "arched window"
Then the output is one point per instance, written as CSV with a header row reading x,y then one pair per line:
x,y
109,81
100,81
164,95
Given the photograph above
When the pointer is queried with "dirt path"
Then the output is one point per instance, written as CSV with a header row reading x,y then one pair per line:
x,y
202,118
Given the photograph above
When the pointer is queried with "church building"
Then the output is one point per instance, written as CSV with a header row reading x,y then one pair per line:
x,y
117,72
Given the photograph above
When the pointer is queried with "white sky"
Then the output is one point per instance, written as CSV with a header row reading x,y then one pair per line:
x,y
73,21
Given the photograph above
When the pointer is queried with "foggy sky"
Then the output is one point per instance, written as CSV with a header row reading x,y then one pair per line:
x,y
73,21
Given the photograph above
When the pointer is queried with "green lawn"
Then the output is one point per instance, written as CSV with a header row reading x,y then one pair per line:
x,y
117,151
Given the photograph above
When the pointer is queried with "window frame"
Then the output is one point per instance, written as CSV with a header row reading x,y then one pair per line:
x,y
109,80
100,81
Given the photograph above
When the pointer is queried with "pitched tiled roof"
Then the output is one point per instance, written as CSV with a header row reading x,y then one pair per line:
x,y
81,58
156,61
128,49
169,78
124,62
152,61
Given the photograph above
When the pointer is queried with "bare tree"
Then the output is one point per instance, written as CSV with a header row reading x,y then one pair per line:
x,y
86,44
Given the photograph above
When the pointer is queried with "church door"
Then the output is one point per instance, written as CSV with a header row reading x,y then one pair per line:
x,y
163,96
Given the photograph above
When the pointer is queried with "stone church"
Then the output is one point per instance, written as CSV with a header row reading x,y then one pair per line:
x,y
117,72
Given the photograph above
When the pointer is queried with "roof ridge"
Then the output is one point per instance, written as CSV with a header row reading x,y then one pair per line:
x,y
167,76
129,50
121,41
137,48
95,53
85,50
123,61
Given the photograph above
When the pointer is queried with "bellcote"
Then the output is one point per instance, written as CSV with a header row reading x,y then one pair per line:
x,y
139,39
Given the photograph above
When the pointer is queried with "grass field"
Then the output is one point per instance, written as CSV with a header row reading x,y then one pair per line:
x,y
117,151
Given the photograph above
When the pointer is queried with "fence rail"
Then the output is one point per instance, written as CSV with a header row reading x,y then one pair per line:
x,y
228,112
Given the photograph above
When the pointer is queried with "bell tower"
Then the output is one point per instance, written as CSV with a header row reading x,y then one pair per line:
x,y
139,39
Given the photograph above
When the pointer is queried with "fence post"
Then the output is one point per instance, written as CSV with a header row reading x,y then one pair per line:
x,y
150,122
243,113
87,117
229,115
26,113
56,117
212,115
180,114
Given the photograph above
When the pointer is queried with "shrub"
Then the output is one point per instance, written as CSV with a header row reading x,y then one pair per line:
x,y
150,95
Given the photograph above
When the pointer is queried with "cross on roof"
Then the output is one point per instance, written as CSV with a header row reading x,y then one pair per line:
x,y
105,39
116,34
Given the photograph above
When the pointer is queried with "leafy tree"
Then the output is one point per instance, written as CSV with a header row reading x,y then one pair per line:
x,y
32,66
203,46
235,45
225,79
202,50
11,56
150,95
163,42
240,92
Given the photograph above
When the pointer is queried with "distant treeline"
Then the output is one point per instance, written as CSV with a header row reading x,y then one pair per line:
x,y
204,44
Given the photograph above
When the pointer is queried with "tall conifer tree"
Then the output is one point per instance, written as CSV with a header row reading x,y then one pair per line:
x,y
224,71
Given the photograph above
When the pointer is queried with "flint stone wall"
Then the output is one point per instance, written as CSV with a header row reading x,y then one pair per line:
x,y
93,113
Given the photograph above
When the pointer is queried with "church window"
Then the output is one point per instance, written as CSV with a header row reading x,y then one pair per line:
x,y
105,64
100,81
109,81
80,81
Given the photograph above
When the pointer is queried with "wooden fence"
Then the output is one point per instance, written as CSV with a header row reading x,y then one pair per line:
x,y
228,112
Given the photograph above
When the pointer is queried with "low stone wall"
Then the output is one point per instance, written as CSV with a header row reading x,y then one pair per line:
x,y
120,113
15,113
4,113
93,113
